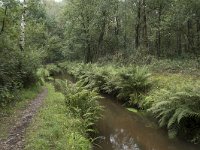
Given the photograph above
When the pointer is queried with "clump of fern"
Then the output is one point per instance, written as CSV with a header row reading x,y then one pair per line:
x,y
126,83
178,109
42,75
53,69
133,83
83,103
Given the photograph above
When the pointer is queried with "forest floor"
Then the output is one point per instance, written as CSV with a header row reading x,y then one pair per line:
x,y
16,136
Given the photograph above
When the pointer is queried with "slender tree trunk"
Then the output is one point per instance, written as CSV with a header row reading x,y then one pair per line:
x,y
179,41
101,35
125,24
88,53
145,34
22,27
188,35
158,32
117,28
198,36
137,28
4,20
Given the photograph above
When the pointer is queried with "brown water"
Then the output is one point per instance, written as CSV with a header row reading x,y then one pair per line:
x,y
120,129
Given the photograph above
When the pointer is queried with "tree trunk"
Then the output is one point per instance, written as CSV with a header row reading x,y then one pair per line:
x,y
22,27
4,20
198,36
101,35
158,32
125,25
179,42
88,53
137,28
117,27
145,34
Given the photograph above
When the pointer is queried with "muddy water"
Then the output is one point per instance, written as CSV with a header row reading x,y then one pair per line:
x,y
120,129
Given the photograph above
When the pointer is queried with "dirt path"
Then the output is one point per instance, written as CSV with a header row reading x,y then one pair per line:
x,y
16,140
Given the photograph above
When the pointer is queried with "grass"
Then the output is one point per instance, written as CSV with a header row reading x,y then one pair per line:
x,y
10,113
55,127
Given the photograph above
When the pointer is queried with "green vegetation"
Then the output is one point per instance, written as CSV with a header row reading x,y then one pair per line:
x,y
172,98
145,53
125,83
10,113
175,103
65,121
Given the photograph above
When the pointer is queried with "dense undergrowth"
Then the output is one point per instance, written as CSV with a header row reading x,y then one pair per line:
x,y
127,84
172,98
182,65
175,102
66,120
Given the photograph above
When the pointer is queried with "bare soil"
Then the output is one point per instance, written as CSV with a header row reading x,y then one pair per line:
x,y
16,138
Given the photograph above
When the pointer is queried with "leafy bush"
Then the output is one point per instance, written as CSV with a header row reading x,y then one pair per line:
x,y
16,73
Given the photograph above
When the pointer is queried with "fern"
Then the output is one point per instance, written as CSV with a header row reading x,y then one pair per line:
x,y
83,103
176,109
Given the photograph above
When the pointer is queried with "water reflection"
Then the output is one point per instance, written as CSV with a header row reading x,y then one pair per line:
x,y
120,141
123,130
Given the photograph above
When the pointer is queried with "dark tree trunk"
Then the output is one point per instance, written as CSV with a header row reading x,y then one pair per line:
x,y
179,42
125,35
198,36
101,35
4,20
88,57
158,32
137,28
188,35
145,34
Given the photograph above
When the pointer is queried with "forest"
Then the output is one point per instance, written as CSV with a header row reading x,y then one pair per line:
x,y
100,74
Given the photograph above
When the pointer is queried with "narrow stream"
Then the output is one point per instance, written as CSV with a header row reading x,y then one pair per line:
x,y
120,129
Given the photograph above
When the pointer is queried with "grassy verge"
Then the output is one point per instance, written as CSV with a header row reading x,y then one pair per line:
x,y
56,127
11,112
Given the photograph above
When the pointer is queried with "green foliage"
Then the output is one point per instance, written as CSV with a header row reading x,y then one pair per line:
x,y
126,83
18,67
82,103
177,109
57,127
53,69
42,75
